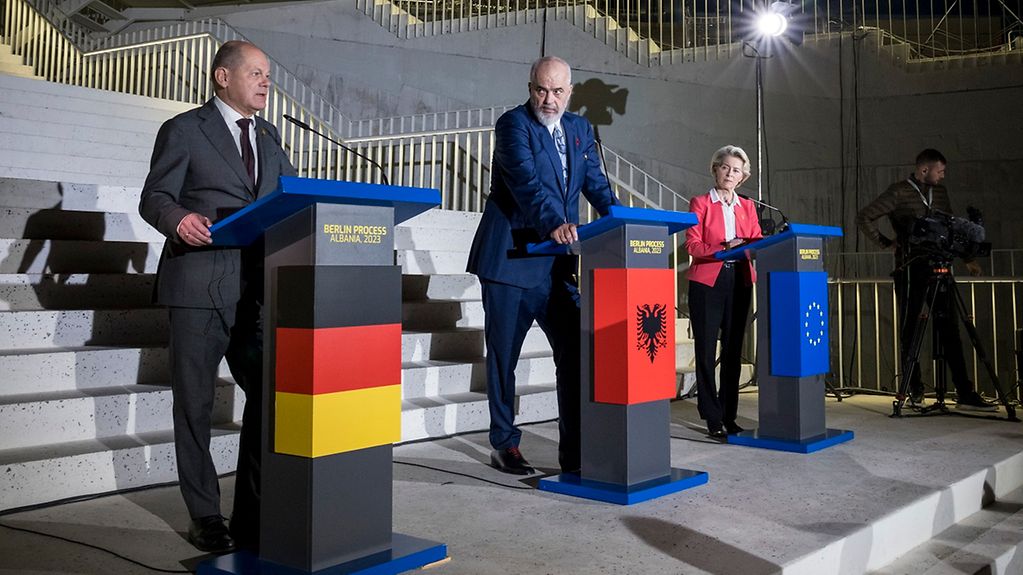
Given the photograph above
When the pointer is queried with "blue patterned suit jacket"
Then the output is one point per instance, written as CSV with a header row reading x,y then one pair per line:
x,y
529,197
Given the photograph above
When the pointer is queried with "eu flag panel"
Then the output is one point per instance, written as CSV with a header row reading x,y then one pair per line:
x,y
633,335
799,323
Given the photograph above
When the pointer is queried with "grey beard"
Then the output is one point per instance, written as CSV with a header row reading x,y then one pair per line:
x,y
547,121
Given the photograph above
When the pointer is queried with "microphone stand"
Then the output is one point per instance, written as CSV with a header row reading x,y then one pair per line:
x,y
600,152
308,128
784,218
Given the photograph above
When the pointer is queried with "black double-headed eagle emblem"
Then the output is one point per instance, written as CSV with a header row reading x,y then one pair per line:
x,y
651,328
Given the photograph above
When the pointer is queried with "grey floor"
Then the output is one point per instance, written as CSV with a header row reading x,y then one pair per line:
x,y
760,511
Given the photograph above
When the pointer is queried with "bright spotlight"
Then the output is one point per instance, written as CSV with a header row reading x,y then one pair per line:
x,y
772,24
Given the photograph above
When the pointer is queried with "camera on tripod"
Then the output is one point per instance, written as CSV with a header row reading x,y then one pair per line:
x,y
947,236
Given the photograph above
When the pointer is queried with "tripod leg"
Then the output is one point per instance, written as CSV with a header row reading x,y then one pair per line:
x,y
911,355
971,330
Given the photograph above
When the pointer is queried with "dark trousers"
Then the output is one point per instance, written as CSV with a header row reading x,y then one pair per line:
x,y
911,294
199,339
722,308
510,311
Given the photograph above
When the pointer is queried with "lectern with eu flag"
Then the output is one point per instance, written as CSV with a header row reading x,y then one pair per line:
x,y
792,340
332,377
627,358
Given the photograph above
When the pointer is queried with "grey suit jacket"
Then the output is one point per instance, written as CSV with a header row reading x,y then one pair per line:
x,y
196,167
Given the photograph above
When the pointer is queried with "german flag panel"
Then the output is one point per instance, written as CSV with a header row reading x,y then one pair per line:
x,y
337,372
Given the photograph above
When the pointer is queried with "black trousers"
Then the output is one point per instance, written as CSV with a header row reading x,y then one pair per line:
x,y
722,308
199,339
911,293
510,312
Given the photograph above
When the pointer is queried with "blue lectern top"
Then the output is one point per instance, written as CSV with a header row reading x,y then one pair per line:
x,y
619,216
293,194
794,230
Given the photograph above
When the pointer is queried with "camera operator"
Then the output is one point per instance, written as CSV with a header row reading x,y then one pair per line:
x,y
904,202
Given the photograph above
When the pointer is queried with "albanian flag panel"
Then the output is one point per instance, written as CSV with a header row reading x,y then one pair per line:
x,y
633,335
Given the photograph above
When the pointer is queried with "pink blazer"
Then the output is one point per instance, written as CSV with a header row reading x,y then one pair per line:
x,y
704,239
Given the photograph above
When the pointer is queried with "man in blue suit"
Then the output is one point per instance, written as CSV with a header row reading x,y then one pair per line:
x,y
543,158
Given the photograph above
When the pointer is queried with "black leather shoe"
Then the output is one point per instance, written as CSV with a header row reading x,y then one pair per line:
x,y
972,401
209,534
732,428
510,461
715,430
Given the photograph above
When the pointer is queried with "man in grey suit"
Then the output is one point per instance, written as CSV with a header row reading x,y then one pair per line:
x,y
207,163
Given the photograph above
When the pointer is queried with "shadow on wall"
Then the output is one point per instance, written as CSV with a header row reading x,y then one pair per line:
x,y
598,102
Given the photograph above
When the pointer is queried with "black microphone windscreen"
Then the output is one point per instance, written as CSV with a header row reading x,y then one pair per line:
x,y
297,122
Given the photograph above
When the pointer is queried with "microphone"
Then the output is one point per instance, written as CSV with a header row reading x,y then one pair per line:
x,y
784,219
308,128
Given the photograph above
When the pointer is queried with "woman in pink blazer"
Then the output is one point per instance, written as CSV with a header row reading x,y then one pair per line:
x,y
720,292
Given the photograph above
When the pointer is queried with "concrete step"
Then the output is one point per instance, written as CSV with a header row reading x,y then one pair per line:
x,y
432,238
100,413
435,315
432,262
82,369
71,257
67,224
87,104
459,344
446,219
82,149
440,287
431,379
33,292
17,70
446,415
986,542
66,195
52,174
142,136
22,330
927,514
61,167
36,475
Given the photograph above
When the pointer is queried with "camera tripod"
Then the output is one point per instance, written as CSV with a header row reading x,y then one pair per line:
x,y
949,308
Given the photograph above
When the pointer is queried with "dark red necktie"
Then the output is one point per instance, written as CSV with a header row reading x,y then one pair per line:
x,y
248,158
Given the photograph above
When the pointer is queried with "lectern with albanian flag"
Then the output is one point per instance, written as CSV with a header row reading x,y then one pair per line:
x,y
332,377
627,358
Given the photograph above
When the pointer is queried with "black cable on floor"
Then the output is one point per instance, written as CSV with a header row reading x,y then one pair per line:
x,y
476,477
96,547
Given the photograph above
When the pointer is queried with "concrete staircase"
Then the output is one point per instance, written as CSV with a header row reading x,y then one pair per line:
x,y
985,542
12,64
621,38
84,402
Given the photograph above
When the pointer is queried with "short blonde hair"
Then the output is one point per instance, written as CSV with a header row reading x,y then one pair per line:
x,y
734,151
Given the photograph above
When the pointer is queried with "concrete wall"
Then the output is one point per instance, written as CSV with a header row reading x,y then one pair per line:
x,y
842,119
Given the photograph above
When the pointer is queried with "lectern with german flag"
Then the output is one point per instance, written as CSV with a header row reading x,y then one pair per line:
x,y
792,341
628,358
332,377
